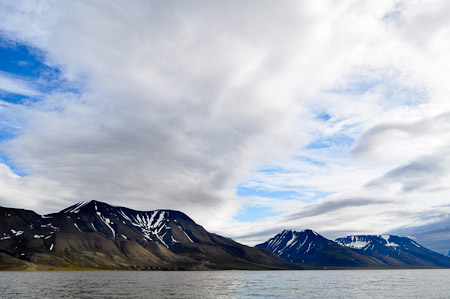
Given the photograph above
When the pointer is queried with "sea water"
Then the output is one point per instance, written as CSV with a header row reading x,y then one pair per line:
x,y
228,284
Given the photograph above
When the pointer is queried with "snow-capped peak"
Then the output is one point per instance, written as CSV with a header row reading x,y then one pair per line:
x,y
289,240
76,208
376,242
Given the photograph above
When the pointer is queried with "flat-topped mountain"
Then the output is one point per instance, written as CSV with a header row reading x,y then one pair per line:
x,y
97,235
395,250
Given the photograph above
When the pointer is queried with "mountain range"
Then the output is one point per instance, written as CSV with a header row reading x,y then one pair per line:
x,y
308,248
96,235
395,250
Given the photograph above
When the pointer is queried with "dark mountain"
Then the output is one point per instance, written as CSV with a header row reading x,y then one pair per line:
x,y
311,249
395,251
308,248
100,236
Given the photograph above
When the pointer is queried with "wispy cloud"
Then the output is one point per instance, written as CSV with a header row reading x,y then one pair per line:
x,y
333,205
15,85
301,103
419,174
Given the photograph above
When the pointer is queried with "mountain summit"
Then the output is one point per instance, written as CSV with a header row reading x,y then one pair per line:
x,y
100,236
311,249
394,250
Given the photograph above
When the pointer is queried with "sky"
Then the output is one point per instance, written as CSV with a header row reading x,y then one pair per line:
x,y
249,116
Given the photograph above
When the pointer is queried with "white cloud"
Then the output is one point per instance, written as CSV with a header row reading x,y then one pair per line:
x,y
15,85
182,102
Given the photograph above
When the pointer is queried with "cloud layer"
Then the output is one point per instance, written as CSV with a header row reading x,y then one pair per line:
x,y
176,105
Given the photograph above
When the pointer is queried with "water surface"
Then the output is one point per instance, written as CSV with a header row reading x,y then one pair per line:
x,y
228,284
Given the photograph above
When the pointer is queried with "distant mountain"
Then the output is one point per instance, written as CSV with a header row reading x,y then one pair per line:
x,y
395,251
309,248
100,236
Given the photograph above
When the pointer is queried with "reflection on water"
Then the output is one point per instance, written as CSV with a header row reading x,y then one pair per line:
x,y
228,284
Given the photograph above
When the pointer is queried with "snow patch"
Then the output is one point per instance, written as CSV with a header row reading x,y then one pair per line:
x,y
49,225
107,222
185,234
148,225
290,241
356,242
76,208
415,244
160,219
309,247
390,244
17,233
77,226
303,243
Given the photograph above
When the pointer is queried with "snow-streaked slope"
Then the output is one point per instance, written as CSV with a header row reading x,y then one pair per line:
x,y
394,250
95,231
376,242
309,248
163,226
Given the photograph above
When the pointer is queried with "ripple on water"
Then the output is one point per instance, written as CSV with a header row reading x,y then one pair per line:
x,y
228,284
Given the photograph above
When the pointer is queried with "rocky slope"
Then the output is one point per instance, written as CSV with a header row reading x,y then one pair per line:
x,y
395,251
311,249
100,236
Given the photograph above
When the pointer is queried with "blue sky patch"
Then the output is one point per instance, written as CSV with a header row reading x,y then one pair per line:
x,y
7,133
30,79
303,193
27,64
392,90
245,191
253,213
339,140
309,160
25,61
271,169
17,170
13,98
323,116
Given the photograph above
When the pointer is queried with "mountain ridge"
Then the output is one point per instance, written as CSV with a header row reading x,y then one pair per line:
x,y
309,248
395,250
364,251
95,234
